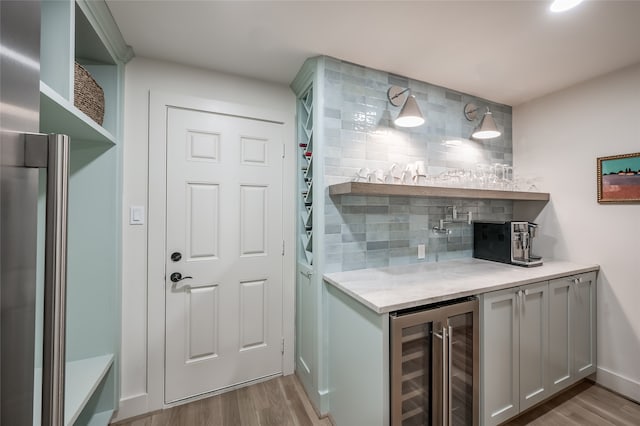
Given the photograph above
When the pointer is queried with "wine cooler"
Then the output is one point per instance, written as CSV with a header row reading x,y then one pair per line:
x,y
435,365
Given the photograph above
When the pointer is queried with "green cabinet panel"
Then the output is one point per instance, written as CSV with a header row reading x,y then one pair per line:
x,y
84,32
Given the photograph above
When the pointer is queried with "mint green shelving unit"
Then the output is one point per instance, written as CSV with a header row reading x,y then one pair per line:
x,y
84,31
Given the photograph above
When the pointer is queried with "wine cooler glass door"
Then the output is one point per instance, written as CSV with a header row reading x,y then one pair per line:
x,y
434,366
461,369
412,397
417,368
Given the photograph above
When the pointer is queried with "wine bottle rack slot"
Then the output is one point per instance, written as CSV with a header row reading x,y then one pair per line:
x,y
305,145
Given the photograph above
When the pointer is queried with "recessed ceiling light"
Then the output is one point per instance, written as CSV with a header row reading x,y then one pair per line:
x,y
564,5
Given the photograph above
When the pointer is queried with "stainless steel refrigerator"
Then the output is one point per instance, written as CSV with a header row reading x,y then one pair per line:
x,y
31,332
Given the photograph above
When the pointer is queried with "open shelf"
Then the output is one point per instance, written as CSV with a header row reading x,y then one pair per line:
x,y
82,377
383,189
58,115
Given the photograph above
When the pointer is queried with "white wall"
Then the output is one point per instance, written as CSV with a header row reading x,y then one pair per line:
x,y
141,76
559,137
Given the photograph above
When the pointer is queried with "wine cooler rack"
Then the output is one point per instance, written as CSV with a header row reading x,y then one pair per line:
x,y
305,144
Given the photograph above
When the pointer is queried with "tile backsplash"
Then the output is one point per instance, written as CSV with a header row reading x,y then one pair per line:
x,y
362,232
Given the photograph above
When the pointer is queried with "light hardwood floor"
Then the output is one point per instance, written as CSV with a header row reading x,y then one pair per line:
x,y
282,402
277,402
585,404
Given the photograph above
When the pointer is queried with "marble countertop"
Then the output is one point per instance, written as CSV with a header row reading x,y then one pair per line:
x,y
399,287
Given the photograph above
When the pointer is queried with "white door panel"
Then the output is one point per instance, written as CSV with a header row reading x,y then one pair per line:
x,y
224,210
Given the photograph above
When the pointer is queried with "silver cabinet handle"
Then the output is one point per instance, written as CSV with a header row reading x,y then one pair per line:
x,y
443,336
519,301
445,390
449,375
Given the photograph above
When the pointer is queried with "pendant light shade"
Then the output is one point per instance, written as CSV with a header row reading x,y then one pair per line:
x,y
564,5
410,114
487,128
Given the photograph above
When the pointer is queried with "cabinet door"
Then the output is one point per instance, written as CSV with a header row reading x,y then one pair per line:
x,y
583,318
560,331
534,338
305,326
500,356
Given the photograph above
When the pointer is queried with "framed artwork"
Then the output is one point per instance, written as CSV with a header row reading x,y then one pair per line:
x,y
619,178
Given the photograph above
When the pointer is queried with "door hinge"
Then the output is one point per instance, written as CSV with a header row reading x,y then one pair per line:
x,y
283,247
282,347
283,150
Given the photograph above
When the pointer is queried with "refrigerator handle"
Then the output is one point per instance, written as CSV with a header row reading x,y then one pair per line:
x,y
55,149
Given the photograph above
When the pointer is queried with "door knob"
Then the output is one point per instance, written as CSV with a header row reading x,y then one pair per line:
x,y
177,277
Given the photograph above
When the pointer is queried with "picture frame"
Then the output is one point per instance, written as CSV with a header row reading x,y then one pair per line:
x,y
619,178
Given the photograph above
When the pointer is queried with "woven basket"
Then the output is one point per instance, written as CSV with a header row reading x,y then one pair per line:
x,y
88,95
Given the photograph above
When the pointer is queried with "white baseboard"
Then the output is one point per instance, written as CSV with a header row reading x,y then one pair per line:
x,y
132,406
323,398
617,383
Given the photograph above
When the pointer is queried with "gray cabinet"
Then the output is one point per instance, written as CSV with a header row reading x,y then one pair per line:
x,y
514,350
560,347
534,343
536,340
572,335
500,356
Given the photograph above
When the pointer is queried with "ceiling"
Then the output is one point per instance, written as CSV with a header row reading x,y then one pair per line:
x,y
506,51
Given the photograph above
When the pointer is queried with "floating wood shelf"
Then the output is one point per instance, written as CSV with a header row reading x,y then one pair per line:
x,y
383,189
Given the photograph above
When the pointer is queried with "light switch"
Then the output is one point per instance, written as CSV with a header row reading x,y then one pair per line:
x,y
136,215
421,251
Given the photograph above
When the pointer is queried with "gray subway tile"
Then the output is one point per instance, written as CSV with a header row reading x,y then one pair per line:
x,y
377,245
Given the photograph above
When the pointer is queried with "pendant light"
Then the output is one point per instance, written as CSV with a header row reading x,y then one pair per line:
x,y
410,114
563,5
487,128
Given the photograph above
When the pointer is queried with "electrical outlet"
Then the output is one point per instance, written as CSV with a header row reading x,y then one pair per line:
x,y
421,251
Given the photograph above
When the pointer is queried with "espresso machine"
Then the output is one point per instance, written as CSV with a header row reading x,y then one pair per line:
x,y
507,242
522,234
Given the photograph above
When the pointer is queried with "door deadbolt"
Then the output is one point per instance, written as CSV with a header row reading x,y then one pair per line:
x,y
177,277
176,256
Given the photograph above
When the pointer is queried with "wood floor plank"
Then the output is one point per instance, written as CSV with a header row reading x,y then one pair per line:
x,y
210,411
283,402
585,404
248,412
294,403
606,409
230,409
277,413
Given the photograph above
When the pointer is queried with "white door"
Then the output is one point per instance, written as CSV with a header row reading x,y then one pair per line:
x,y
224,223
